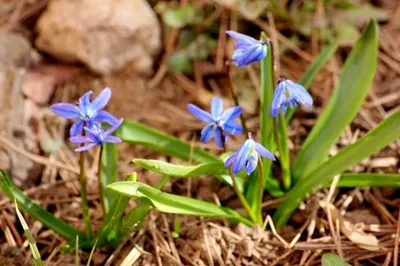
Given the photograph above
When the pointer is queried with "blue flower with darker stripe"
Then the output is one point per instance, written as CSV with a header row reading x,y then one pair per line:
x,y
87,112
96,135
288,93
247,156
247,49
219,123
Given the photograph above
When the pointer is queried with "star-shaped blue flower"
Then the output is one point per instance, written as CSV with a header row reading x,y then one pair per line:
x,y
87,112
218,121
248,49
288,93
247,156
96,135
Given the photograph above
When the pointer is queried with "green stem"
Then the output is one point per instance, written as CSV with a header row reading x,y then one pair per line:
x,y
260,188
100,181
242,199
280,134
84,200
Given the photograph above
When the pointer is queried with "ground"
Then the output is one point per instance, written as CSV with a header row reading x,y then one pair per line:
x,y
159,100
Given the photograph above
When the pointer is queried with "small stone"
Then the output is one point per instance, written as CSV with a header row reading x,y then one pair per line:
x,y
14,50
105,35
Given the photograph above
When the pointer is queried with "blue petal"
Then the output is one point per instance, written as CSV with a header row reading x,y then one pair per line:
x,y
229,160
252,54
112,139
200,114
80,139
237,54
251,163
243,41
218,138
242,156
104,117
100,102
207,132
300,93
231,114
76,128
113,127
84,103
263,151
216,107
233,128
86,147
66,110
278,99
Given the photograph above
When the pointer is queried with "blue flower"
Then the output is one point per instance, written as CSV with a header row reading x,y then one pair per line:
x,y
218,121
248,49
96,136
87,112
287,93
247,156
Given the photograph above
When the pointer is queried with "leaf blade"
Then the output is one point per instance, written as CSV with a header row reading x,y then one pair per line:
x,y
344,104
35,211
170,203
385,133
109,173
136,133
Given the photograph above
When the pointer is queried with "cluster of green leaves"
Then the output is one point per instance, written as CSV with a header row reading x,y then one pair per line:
x,y
313,167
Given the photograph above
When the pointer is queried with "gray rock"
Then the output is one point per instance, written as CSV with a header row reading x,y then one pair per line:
x,y
105,35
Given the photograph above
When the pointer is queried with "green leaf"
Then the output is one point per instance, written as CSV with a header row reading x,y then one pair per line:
x,y
35,211
180,17
312,71
179,62
174,170
385,133
369,180
355,80
330,259
136,133
169,203
114,215
109,173
37,260
266,125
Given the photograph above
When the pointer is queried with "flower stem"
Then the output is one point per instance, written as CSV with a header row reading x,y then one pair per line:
x,y
100,181
280,134
84,200
236,100
242,199
260,188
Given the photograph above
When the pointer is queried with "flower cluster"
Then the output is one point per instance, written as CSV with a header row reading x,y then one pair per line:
x,y
287,93
89,116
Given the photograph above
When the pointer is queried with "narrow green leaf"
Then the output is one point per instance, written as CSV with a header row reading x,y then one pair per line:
x,y
35,211
174,170
109,173
169,203
266,129
330,259
312,71
355,80
385,133
369,180
91,254
136,133
37,260
215,169
114,215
